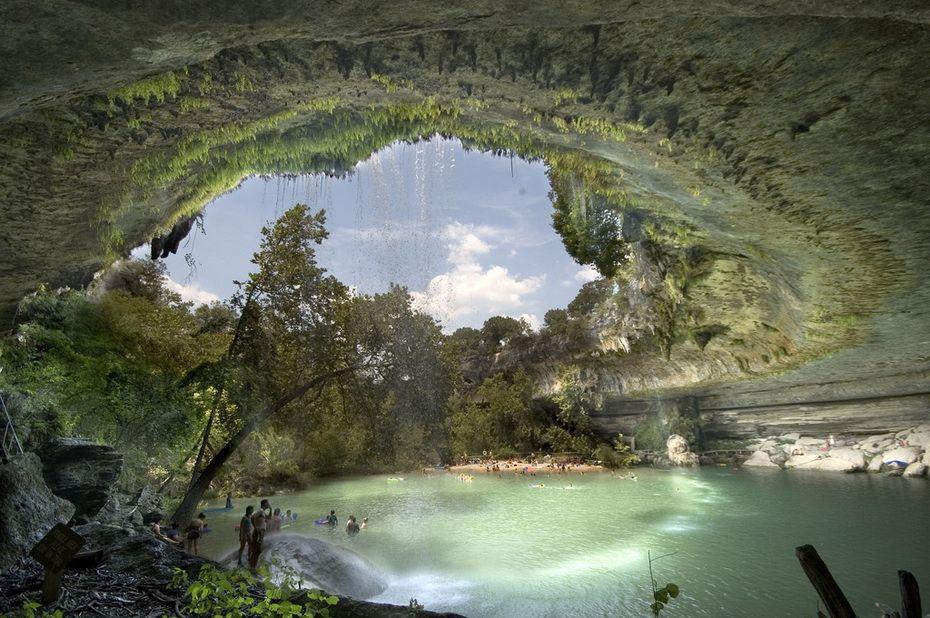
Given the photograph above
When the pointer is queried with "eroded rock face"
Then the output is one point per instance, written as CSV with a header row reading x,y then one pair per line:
x,y
28,509
81,472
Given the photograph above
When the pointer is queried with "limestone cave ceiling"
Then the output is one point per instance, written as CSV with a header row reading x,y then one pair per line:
x,y
786,144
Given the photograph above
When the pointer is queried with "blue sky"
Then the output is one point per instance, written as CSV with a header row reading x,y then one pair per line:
x,y
469,238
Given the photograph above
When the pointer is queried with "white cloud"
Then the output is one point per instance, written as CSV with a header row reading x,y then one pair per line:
x,y
532,319
471,288
587,274
191,293
464,243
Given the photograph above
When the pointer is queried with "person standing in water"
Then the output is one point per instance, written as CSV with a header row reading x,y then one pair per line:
x,y
331,519
245,534
194,531
259,526
364,523
352,527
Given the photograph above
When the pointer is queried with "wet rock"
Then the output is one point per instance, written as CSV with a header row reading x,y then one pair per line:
x,y
760,459
81,472
28,509
916,469
323,565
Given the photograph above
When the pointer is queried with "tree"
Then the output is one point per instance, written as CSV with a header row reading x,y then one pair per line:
x,y
290,337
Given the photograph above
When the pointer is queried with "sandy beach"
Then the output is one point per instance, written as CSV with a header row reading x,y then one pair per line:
x,y
522,467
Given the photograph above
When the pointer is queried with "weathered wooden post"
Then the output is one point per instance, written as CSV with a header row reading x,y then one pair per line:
x,y
53,552
829,591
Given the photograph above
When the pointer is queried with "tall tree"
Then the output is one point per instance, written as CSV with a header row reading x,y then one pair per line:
x,y
291,337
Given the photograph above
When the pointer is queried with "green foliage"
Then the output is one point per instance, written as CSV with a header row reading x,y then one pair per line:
x,y
619,456
237,593
192,103
415,608
660,596
111,368
500,415
589,224
157,87
33,609
566,95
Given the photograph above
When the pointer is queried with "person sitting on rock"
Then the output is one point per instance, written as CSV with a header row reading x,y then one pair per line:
x,y
174,532
156,530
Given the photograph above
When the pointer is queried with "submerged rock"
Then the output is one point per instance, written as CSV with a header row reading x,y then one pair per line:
x,y
28,509
81,472
332,568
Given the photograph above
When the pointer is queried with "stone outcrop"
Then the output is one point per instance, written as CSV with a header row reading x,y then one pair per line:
x,y
27,508
81,472
679,452
324,565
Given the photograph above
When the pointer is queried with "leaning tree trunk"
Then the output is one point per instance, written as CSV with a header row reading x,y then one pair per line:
x,y
185,512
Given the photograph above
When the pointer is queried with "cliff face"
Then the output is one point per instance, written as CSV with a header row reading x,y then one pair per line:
x,y
788,146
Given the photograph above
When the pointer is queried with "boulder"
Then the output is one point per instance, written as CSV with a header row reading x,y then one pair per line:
x,y
81,472
876,444
678,452
905,454
916,469
789,437
335,569
855,457
28,509
760,459
810,442
136,552
828,464
919,439
800,460
875,465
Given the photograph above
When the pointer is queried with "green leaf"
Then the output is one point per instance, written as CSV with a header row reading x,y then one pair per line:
x,y
332,600
672,590
661,595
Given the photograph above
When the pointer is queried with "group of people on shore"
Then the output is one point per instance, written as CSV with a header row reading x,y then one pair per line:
x,y
174,536
253,527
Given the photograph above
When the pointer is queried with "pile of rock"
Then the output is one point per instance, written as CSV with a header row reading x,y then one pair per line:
x,y
905,453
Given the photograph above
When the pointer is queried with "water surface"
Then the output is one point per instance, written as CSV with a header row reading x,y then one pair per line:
x,y
577,546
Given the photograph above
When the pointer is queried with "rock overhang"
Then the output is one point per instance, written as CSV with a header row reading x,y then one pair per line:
x,y
791,146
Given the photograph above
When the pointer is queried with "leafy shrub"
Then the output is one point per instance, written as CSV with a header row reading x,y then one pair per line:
x,y
237,593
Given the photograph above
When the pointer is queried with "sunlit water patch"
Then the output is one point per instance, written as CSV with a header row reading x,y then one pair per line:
x,y
578,545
